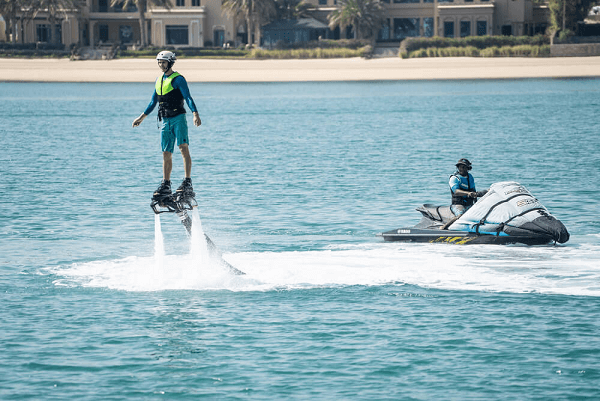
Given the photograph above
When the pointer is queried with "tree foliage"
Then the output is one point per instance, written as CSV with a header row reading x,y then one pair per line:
x,y
565,14
142,7
8,9
253,12
365,16
29,9
292,9
55,9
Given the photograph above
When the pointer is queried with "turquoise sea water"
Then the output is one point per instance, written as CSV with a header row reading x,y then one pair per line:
x,y
294,180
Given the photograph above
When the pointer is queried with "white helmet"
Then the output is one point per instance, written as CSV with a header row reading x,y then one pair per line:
x,y
166,55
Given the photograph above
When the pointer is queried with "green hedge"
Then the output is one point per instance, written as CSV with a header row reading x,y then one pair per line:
x,y
353,44
328,49
479,42
185,52
31,50
311,53
471,51
314,49
28,53
335,51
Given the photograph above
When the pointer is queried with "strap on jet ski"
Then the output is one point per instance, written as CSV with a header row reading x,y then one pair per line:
x,y
483,219
501,226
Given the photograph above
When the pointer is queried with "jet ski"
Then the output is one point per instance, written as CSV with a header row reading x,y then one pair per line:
x,y
507,214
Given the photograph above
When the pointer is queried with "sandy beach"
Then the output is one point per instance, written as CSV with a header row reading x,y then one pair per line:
x,y
354,69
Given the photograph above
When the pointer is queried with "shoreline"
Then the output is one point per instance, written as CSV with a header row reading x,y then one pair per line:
x,y
304,70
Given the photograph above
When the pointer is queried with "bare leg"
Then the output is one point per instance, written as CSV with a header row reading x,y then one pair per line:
x,y
167,165
187,160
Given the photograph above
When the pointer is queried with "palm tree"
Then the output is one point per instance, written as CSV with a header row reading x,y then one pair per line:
x,y
54,8
366,16
29,9
142,7
254,12
9,8
292,9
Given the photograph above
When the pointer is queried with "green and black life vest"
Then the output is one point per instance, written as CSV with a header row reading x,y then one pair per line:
x,y
170,100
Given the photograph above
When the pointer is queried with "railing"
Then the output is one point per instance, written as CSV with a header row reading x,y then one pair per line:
x,y
106,9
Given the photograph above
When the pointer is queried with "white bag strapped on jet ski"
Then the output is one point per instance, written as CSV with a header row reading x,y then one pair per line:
x,y
507,208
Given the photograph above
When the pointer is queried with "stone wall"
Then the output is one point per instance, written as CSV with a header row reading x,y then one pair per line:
x,y
575,50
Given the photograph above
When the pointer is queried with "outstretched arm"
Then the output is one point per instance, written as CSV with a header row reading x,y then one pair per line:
x,y
148,110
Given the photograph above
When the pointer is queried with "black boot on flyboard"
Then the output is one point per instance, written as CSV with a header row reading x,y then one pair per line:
x,y
185,194
163,191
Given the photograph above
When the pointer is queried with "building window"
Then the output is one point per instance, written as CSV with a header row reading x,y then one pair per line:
x,y
195,3
384,32
481,28
103,33
539,28
177,34
407,1
126,33
465,29
219,37
43,32
322,2
180,3
406,27
449,29
428,27
350,32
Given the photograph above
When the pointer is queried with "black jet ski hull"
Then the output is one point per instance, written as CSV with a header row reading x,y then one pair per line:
x,y
459,237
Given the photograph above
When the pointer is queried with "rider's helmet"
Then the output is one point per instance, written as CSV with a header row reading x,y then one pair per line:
x,y
168,56
464,162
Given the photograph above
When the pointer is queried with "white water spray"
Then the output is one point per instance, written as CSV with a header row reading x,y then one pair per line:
x,y
569,270
159,248
198,244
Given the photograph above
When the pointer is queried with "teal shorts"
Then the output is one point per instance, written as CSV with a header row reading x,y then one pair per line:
x,y
174,128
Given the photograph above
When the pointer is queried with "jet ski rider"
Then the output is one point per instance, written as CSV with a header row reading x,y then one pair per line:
x,y
462,187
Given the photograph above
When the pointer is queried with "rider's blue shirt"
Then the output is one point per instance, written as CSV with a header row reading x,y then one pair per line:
x,y
457,181
178,83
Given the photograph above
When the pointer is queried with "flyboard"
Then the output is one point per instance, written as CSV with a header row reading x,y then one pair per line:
x,y
180,203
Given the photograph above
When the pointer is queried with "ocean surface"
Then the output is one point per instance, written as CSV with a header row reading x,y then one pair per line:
x,y
102,300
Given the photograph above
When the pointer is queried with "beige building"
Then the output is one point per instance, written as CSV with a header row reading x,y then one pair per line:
x,y
188,23
453,18
2,30
199,23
